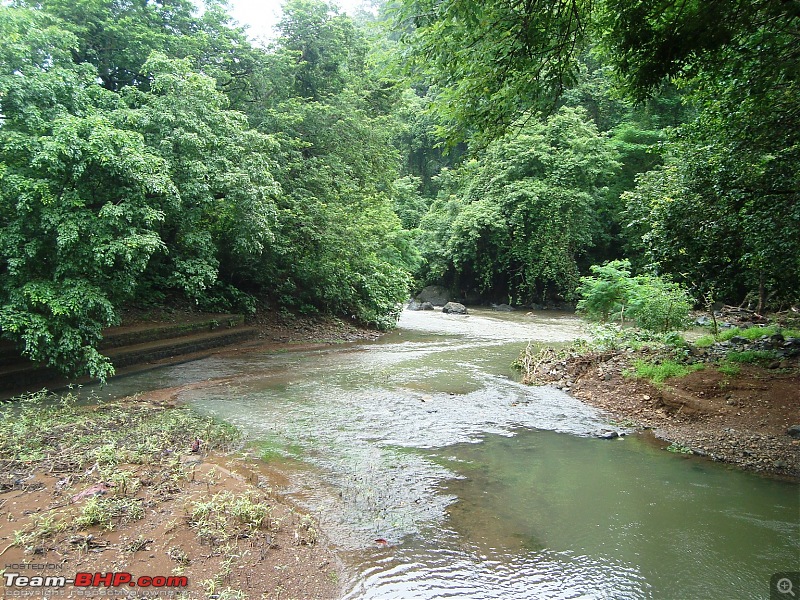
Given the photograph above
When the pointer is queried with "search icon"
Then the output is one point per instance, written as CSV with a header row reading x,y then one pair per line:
x,y
784,586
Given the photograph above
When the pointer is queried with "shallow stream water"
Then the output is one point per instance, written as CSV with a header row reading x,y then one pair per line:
x,y
485,488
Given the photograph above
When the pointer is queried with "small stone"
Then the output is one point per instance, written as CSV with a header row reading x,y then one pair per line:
x,y
794,431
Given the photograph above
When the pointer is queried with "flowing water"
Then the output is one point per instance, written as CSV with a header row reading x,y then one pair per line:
x,y
485,488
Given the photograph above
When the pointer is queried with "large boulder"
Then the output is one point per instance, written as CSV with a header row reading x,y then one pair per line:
x,y
426,306
435,294
454,308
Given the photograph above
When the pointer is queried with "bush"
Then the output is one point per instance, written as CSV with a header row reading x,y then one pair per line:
x,y
659,305
605,296
655,303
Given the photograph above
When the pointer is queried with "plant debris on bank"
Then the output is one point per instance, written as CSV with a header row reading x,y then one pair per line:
x,y
151,489
733,397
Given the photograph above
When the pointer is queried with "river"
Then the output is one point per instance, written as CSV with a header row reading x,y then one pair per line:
x,y
482,487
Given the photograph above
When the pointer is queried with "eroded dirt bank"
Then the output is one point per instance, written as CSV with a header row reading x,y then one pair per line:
x,y
138,486
742,419
284,558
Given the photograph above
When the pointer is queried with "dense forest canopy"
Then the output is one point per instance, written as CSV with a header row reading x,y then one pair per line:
x,y
149,152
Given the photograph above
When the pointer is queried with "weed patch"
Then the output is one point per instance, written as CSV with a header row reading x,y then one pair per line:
x,y
223,515
729,370
55,434
104,512
677,448
705,341
750,356
659,372
749,333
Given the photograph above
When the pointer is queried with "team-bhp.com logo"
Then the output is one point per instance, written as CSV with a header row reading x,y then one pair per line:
x,y
89,580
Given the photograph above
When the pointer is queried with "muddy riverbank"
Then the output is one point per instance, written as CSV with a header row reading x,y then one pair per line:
x,y
741,419
144,488
141,485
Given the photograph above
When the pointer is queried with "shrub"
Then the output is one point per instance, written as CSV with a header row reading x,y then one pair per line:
x,y
605,296
659,305
655,303
730,370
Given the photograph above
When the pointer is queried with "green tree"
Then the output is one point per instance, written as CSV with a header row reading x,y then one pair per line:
x,y
105,195
719,217
80,199
326,48
652,42
492,61
339,246
529,212
119,37
222,171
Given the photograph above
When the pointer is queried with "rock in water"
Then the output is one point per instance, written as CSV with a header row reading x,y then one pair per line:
x,y
454,308
426,306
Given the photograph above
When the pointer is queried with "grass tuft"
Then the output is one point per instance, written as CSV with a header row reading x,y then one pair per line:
x,y
657,373
750,356
729,370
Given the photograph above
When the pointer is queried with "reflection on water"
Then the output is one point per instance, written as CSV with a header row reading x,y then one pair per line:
x,y
487,488
548,515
